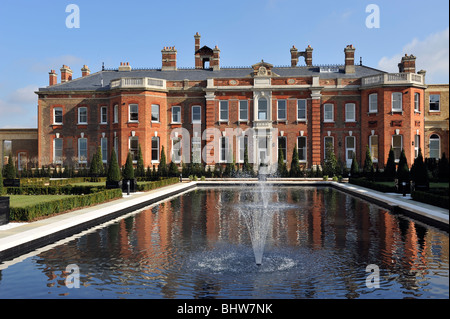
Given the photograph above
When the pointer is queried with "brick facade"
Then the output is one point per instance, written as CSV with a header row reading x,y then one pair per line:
x,y
336,99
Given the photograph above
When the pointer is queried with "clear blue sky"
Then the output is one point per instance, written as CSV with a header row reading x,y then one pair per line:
x,y
34,37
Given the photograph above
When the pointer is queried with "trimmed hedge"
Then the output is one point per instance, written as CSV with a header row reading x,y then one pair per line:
x,y
49,208
431,198
53,190
147,186
372,185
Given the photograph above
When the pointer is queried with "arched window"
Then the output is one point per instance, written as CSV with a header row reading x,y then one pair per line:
x,y
435,146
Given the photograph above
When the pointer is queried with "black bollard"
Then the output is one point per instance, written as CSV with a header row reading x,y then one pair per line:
x,y
404,188
181,178
128,187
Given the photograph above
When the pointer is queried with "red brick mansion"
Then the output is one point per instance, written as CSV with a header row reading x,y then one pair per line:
x,y
209,112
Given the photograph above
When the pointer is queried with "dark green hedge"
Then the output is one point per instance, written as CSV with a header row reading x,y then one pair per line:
x,y
372,185
49,208
146,186
432,198
53,190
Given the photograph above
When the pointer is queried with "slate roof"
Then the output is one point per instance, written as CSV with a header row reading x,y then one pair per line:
x,y
92,82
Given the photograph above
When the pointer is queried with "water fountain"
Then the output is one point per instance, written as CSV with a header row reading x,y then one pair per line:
x,y
258,215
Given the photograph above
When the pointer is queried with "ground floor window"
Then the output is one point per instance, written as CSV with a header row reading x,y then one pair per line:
x,y
134,148
155,149
397,145
282,146
301,145
435,146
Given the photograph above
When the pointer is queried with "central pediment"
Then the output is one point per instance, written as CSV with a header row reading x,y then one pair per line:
x,y
262,69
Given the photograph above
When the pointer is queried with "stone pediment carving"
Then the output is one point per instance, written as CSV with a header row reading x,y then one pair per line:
x,y
262,69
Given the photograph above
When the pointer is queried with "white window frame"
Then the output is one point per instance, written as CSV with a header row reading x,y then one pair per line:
x,y
439,103
416,145
352,149
196,149
243,105
58,108
176,109
284,149
104,149
223,150
155,138
116,113
374,157
79,115
417,102
130,112
133,156
326,118
347,111
241,146
301,102
55,160
153,112
438,139
196,121
397,148
305,148
176,141
103,115
397,102
223,107
79,150
267,109
279,118
373,103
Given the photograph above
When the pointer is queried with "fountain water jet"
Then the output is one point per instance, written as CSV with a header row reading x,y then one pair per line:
x,y
258,216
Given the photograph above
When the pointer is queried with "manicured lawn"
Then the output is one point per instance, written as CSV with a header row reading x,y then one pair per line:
x,y
25,200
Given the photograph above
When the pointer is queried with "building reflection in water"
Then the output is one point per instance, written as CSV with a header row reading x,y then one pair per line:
x,y
150,250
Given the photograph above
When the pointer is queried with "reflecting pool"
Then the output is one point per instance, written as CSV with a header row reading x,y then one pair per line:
x,y
197,245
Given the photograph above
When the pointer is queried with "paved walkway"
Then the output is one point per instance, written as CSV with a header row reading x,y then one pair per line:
x,y
19,238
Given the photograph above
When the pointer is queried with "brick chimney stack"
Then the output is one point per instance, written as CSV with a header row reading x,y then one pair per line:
x,y
66,73
85,71
52,78
198,60
215,61
408,64
307,54
169,58
349,59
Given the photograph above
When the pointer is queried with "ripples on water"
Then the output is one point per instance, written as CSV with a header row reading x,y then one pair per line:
x,y
197,246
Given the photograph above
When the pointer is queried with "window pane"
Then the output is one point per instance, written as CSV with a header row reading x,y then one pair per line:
x,y
373,141
176,114
58,148
282,110
328,112
417,102
196,150
134,148
223,149
243,110
282,146
116,113
104,144
58,115
155,113
82,150
397,146
223,116
373,102
397,101
434,146
435,102
243,142
262,109
329,140
196,114
134,113
176,149
82,115
350,112
155,148
301,141
301,109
